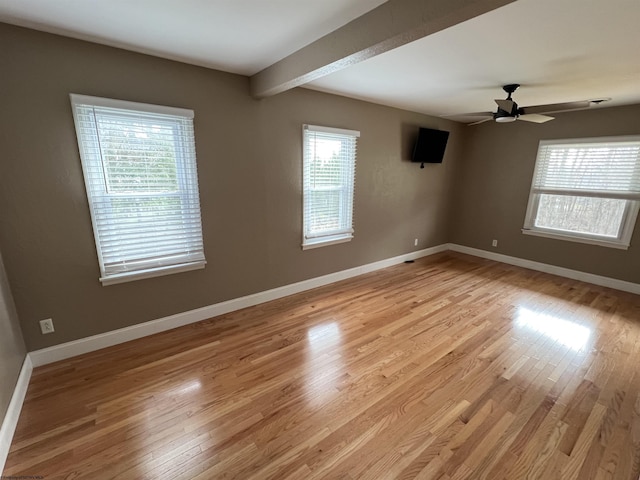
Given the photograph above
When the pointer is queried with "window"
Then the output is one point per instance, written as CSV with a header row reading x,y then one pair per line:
x,y
586,191
139,166
329,164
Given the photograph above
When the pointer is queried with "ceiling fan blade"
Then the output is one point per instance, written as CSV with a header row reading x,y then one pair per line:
x,y
481,121
474,114
535,118
556,107
474,118
506,105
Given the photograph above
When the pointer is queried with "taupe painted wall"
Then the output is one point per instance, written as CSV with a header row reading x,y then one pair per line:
x,y
492,191
249,169
12,351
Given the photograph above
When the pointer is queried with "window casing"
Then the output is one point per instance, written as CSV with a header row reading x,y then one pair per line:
x,y
329,162
139,167
586,190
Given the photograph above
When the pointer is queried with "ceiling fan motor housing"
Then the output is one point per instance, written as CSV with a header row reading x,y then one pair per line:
x,y
502,115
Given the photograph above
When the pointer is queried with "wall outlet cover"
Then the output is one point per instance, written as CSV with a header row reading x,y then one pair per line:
x,y
46,326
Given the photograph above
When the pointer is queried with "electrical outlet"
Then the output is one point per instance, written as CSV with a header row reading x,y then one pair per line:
x,y
46,326
415,242
494,243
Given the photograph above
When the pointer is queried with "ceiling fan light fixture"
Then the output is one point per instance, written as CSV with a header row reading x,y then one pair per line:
x,y
505,119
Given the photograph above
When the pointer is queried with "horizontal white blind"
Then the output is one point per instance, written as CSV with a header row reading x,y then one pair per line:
x,y
329,160
608,169
140,172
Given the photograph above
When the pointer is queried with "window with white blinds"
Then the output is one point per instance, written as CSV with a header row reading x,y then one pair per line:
x,y
139,165
586,190
329,164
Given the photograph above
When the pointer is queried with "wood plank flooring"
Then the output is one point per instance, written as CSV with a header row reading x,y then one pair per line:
x,y
450,368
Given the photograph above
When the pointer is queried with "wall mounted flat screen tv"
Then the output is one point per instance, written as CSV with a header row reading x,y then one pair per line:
x,y
430,146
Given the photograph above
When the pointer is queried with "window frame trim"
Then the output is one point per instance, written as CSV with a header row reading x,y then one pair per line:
x,y
629,219
335,237
128,105
154,271
151,273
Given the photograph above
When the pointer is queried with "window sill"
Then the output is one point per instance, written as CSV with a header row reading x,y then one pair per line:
x,y
576,238
150,273
316,243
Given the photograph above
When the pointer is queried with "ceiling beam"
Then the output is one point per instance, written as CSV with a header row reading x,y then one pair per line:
x,y
391,25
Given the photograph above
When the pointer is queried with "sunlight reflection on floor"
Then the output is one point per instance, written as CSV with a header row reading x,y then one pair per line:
x,y
188,387
324,336
324,363
565,332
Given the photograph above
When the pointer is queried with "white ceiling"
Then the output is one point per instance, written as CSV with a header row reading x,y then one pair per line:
x,y
559,50
238,36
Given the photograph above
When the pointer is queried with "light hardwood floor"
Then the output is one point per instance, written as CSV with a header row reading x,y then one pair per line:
x,y
449,368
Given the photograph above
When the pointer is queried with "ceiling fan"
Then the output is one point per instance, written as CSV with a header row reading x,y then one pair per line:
x,y
509,111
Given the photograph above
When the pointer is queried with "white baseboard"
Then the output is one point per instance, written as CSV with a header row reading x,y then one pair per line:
x,y
547,268
10,421
115,337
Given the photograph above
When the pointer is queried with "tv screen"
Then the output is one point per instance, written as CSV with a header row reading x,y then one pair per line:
x,y
430,146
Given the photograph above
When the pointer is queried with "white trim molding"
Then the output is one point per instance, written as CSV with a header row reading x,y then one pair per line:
x,y
614,180
575,238
115,337
552,269
150,273
13,412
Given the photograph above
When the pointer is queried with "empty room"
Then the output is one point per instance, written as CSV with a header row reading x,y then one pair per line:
x,y
343,239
